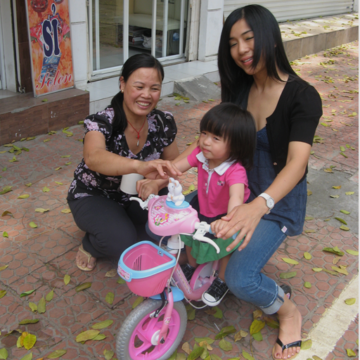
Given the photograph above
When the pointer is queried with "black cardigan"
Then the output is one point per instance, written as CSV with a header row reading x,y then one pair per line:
x,y
295,118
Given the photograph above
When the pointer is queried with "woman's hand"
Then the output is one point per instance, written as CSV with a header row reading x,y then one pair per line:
x,y
146,187
157,169
243,218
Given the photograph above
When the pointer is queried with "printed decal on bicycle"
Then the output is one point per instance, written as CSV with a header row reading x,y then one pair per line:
x,y
124,274
161,214
160,219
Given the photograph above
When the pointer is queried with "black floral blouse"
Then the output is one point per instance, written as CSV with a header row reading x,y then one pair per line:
x,y
161,133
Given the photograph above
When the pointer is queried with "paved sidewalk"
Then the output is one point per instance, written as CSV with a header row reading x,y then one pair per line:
x,y
39,258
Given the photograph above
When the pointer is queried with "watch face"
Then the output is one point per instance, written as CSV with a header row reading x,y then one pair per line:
x,y
270,203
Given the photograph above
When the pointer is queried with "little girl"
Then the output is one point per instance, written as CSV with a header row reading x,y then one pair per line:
x,y
225,151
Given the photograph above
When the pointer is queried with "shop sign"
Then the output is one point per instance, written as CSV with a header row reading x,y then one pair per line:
x,y
50,45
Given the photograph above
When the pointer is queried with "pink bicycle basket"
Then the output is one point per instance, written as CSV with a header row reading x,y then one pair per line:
x,y
146,268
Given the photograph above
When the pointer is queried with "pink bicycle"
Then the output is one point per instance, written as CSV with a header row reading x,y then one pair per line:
x,y
155,328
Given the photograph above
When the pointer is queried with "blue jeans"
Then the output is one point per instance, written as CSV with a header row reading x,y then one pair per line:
x,y
243,276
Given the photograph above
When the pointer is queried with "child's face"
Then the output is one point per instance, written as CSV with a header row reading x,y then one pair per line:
x,y
214,147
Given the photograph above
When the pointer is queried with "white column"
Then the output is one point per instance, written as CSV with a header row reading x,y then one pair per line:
x,y
7,63
356,5
79,42
211,23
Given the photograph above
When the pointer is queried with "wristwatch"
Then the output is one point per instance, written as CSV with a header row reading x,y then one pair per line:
x,y
269,201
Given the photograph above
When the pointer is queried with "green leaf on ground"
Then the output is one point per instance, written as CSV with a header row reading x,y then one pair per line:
x,y
341,220
225,331
26,293
335,250
87,335
290,261
41,306
23,196
28,321
247,356
120,281
108,354
345,228
49,296
102,325
190,312
66,279
5,234
45,189
2,293
27,357
29,341
257,336
3,267
207,339
32,306
256,326
99,337
350,301
288,275
196,353
317,269
345,212
307,284
352,252
137,301
109,298
5,189
3,354
41,210
307,256
32,225
225,345
83,286
306,344
350,353
349,193
56,354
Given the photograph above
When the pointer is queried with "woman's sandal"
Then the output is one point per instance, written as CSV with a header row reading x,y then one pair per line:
x,y
287,346
287,290
88,255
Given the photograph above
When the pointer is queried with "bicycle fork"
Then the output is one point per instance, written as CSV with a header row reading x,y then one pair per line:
x,y
160,338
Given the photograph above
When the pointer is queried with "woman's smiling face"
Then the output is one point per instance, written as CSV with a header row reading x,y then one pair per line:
x,y
141,92
242,46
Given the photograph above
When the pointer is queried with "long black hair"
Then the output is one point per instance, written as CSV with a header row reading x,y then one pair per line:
x,y
131,64
237,127
268,46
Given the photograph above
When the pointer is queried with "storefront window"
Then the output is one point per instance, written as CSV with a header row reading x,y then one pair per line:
x,y
107,33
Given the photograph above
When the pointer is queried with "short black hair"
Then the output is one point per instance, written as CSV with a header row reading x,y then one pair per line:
x,y
267,45
132,64
237,127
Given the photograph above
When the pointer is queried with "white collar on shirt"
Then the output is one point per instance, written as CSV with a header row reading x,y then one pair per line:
x,y
219,169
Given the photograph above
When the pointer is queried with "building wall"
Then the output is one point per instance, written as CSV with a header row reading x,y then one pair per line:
x,y
79,42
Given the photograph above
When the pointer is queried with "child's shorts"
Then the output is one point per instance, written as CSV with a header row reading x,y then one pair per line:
x,y
204,252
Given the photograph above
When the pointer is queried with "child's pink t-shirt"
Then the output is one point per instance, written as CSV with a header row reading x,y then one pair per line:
x,y
214,184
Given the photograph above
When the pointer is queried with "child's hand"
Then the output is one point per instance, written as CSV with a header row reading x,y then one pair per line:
x,y
217,226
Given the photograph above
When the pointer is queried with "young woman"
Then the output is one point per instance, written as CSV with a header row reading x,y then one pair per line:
x,y
225,151
255,73
129,136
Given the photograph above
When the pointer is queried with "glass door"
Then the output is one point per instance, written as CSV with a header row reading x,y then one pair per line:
x,y
121,28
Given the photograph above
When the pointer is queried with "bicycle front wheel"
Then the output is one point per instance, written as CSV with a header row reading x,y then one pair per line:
x,y
136,336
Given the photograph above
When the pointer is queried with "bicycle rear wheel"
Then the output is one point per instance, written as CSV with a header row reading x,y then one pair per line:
x,y
134,338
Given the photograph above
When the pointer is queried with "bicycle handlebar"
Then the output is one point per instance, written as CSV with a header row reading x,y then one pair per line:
x,y
201,227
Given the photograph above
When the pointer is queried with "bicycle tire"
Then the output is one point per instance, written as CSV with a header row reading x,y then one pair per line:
x,y
135,317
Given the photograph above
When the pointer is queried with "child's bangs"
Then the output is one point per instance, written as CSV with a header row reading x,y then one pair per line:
x,y
215,125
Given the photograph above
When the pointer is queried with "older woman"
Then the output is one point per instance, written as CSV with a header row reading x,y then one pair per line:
x,y
129,136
